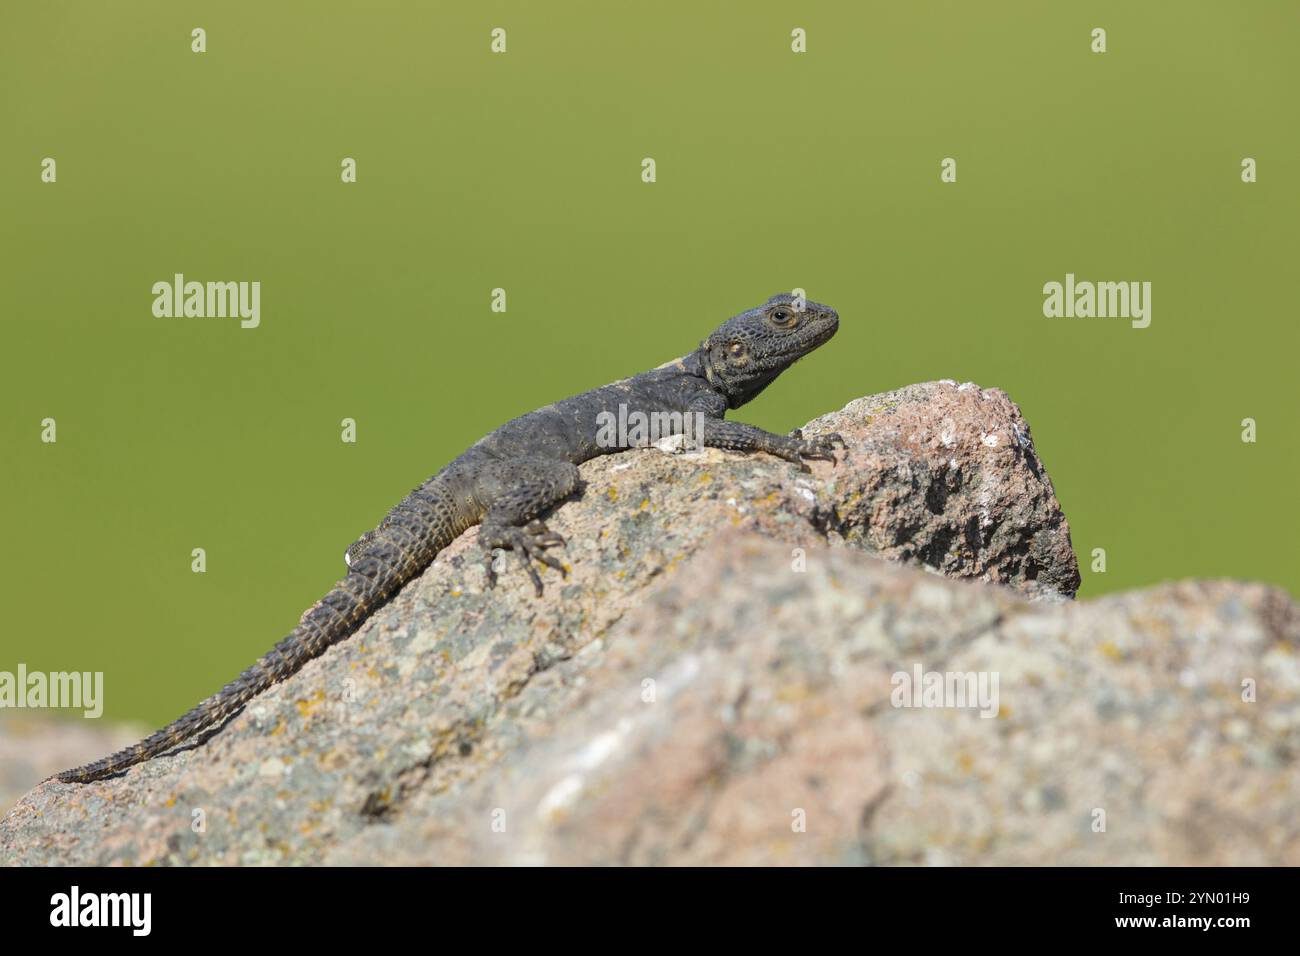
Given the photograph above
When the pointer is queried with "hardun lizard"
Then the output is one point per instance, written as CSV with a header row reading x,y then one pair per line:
x,y
508,479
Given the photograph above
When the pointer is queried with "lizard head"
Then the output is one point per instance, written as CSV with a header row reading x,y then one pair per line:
x,y
746,353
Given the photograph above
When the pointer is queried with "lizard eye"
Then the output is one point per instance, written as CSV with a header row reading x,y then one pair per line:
x,y
782,317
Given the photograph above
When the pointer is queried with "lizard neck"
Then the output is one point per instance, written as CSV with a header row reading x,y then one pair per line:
x,y
734,393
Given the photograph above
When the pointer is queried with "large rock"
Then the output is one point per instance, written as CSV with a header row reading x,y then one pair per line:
x,y
34,745
755,724
447,703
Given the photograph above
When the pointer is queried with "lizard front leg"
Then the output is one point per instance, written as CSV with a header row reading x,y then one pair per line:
x,y
737,436
515,493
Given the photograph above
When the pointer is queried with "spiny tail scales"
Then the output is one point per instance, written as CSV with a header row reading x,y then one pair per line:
x,y
424,523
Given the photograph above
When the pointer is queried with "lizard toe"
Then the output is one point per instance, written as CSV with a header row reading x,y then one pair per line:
x,y
531,568
543,537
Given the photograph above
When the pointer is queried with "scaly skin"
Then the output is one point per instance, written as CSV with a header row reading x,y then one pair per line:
x,y
508,479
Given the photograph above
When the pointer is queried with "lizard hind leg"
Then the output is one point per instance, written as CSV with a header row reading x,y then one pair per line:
x,y
516,493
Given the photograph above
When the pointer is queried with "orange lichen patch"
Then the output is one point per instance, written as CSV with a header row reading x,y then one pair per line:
x,y
308,706
333,761
1111,650
792,693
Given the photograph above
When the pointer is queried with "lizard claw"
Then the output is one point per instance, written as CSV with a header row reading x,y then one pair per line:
x,y
529,542
532,573
821,447
797,448
543,537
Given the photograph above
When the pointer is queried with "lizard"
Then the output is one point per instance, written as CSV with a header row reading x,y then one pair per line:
x,y
509,479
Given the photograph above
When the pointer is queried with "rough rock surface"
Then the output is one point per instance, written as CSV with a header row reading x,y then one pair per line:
x,y
715,673
769,705
946,475
34,745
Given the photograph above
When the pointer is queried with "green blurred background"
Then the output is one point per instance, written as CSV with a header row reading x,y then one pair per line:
x,y
522,171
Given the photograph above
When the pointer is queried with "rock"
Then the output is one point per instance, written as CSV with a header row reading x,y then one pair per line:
x,y
452,703
34,745
946,475
769,706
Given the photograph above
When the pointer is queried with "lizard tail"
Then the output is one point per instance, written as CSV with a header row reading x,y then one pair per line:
x,y
403,545
330,621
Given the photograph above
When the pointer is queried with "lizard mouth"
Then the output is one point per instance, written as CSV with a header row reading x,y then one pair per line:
x,y
821,332
813,338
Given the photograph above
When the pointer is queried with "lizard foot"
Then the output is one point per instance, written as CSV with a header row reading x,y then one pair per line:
x,y
529,542
820,447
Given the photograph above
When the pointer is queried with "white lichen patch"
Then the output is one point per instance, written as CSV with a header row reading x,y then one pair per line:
x,y
560,798
671,444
